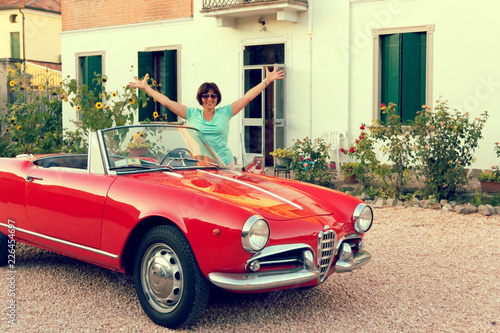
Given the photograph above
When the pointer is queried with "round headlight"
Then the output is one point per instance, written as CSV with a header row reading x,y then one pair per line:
x,y
255,234
363,218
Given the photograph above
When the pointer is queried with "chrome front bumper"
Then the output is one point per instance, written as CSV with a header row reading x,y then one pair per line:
x,y
305,272
358,259
262,280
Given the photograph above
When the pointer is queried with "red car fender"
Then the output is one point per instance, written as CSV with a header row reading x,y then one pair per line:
x,y
215,244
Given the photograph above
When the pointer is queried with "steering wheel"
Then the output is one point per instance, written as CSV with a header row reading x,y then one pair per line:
x,y
176,154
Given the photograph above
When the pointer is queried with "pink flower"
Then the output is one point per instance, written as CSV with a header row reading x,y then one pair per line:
x,y
357,140
306,165
342,150
351,150
362,127
332,165
382,105
309,159
301,158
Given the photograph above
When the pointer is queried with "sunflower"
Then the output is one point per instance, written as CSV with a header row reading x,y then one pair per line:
x,y
132,101
40,88
98,105
113,94
78,107
155,114
19,127
12,83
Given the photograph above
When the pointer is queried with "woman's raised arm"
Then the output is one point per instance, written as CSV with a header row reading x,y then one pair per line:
x,y
276,74
175,107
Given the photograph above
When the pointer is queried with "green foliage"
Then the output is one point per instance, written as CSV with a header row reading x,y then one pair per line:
x,y
309,162
363,151
100,108
486,199
444,144
493,175
33,121
395,143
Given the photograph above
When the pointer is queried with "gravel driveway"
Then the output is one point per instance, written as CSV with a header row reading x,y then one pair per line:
x,y
432,271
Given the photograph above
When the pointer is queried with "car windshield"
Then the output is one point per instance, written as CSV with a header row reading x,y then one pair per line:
x,y
157,147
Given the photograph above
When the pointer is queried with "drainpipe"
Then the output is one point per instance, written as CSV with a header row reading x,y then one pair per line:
x,y
310,34
24,41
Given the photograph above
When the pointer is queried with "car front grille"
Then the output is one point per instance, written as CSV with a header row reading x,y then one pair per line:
x,y
327,240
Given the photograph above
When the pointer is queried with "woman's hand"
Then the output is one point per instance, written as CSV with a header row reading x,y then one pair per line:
x,y
140,84
276,74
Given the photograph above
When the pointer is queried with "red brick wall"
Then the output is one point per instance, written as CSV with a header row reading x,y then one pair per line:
x,y
85,14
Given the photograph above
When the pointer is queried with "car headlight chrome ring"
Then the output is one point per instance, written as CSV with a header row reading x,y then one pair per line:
x,y
363,218
255,234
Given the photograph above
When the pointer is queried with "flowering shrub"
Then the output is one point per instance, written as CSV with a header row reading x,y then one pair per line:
x,y
444,144
309,162
100,108
395,143
363,151
32,122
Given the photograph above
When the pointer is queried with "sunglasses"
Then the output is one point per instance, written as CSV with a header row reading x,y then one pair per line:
x,y
214,96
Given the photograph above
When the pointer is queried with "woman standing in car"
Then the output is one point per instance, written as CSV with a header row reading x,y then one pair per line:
x,y
211,120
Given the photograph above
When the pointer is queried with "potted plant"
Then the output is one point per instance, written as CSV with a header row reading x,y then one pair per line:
x,y
490,180
139,146
282,157
353,171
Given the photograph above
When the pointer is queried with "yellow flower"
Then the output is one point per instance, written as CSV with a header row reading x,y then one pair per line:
x,y
55,136
113,94
98,105
19,127
155,114
132,101
78,107
12,83
40,88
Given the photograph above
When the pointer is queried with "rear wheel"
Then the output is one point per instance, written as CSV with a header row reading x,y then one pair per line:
x,y
169,284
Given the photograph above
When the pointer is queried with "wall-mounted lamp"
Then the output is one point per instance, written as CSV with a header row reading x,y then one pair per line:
x,y
262,23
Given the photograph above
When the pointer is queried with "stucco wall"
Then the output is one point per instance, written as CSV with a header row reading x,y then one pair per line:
x,y
329,74
42,40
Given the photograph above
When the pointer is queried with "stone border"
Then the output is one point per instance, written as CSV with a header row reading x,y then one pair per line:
x,y
452,206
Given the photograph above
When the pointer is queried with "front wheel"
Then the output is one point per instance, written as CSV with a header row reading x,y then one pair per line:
x,y
169,284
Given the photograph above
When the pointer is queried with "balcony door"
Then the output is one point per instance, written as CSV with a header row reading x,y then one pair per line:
x,y
264,117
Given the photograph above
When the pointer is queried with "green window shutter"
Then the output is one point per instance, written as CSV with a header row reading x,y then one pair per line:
x,y
92,67
391,71
15,45
145,62
170,84
412,75
403,64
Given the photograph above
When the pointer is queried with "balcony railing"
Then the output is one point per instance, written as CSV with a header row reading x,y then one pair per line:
x,y
223,4
227,11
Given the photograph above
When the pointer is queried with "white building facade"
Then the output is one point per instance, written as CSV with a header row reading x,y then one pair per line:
x,y
340,59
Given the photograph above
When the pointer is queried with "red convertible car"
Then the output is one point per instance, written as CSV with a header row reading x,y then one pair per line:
x,y
155,201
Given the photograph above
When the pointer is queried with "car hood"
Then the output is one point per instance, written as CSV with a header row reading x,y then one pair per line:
x,y
268,198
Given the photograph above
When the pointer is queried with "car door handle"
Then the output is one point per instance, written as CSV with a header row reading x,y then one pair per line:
x,y
32,178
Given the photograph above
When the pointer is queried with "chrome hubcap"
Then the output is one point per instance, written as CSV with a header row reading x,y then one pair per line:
x,y
161,277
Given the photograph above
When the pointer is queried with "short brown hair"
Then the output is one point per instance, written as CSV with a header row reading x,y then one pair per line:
x,y
205,88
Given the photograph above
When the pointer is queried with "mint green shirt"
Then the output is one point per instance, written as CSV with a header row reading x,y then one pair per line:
x,y
215,131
